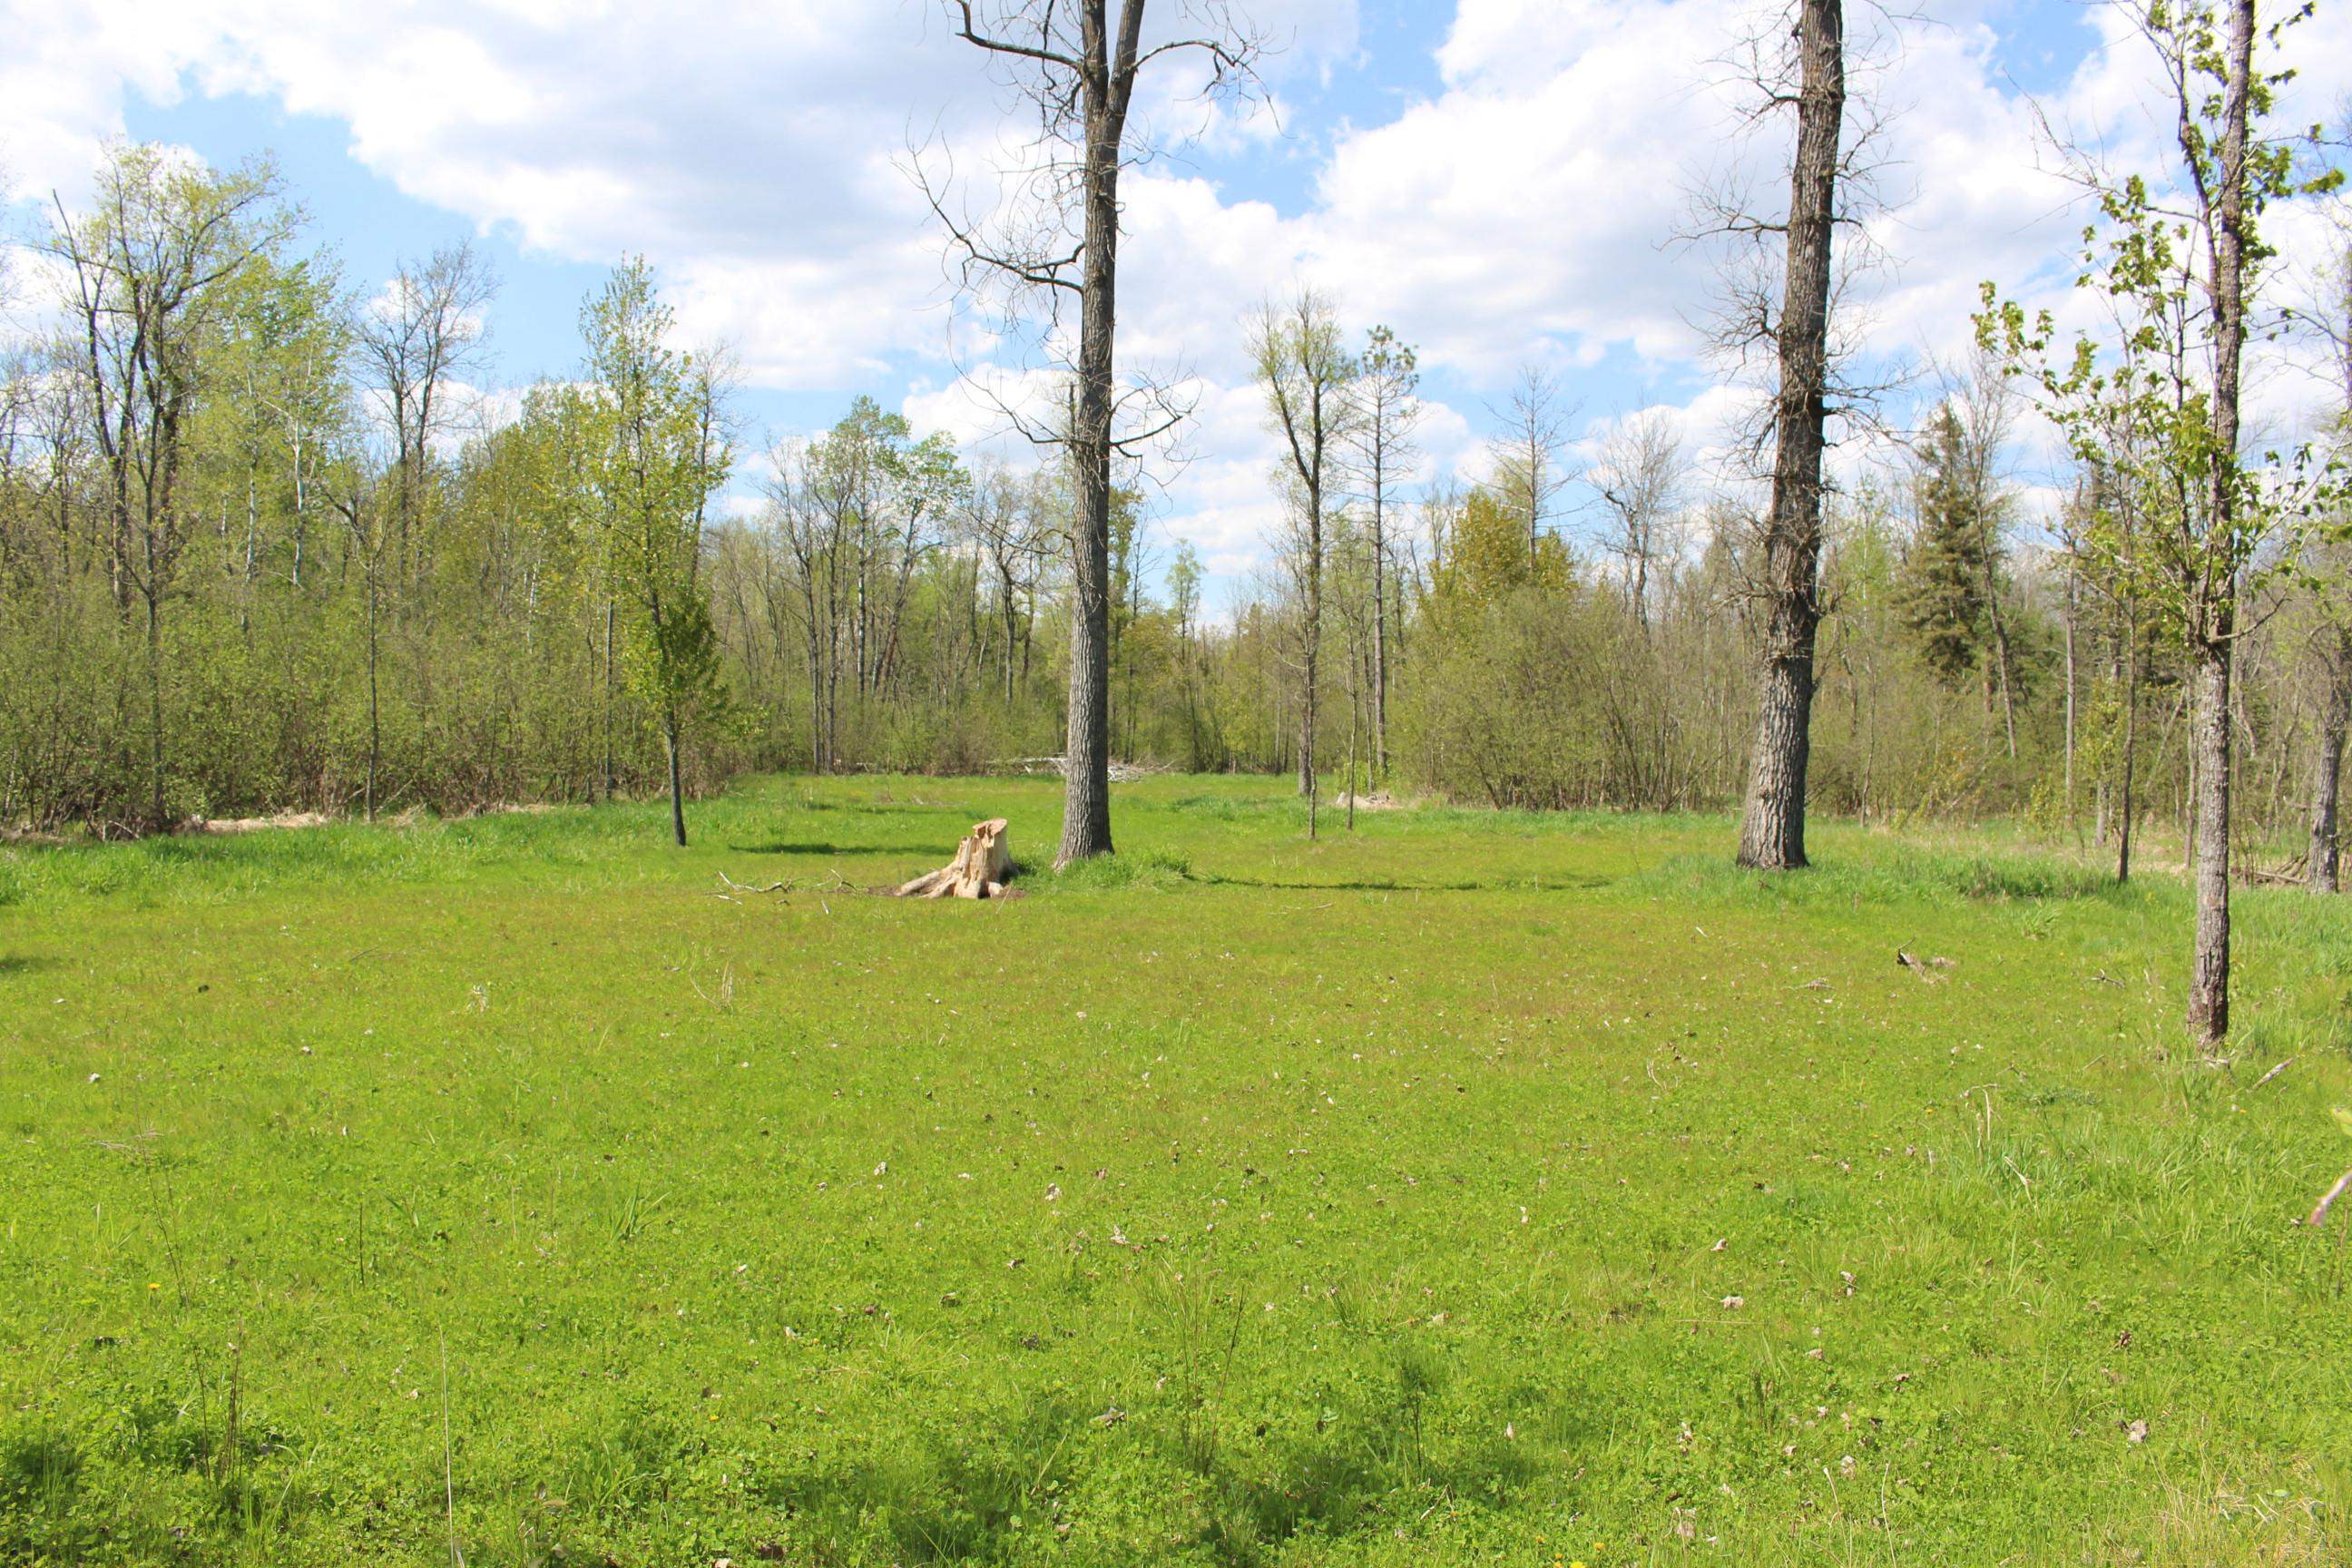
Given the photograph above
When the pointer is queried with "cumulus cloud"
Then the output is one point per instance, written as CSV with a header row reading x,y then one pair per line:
x,y
1519,211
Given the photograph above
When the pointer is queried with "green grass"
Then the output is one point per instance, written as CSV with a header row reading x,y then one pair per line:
x,y
1474,1188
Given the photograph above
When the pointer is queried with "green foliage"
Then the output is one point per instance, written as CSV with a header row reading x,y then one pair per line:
x,y
2180,522
1483,556
1946,570
548,604
653,453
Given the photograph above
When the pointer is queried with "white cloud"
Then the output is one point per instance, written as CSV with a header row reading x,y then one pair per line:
x,y
752,149
1518,212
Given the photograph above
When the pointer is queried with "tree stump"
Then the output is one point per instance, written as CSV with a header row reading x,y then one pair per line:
x,y
981,864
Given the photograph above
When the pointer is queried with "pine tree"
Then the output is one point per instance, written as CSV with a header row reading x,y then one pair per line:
x,y
1945,572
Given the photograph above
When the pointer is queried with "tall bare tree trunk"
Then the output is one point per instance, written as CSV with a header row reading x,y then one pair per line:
x,y
1380,639
816,708
2213,623
1087,86
612,775
1085,791
2126,806
1772,832
2208,975
154,707
375,727
2072,826
1313,636
2001,653
676,786
2327,766
1352,709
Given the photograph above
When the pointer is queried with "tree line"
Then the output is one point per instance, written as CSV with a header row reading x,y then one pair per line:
x,y
263,547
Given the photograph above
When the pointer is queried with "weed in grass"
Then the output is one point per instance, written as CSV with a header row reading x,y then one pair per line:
x,y
1148,870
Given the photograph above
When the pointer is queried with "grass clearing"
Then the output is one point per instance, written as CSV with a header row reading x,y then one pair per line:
x,y
1474,1187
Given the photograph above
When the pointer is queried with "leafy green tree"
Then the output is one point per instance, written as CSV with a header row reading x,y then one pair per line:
x,y
2179,264
150,275
1483,555
654,451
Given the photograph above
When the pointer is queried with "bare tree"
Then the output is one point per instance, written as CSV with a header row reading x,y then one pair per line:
x,y
1075,64
1531,469
1985,400
1773,830
1308,379
800,507
424,330
1387,397
1009,520
1640,477
352,493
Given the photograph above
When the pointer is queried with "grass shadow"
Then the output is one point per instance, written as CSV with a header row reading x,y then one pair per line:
x,y
1889,877
798,847
1391,885
959,1495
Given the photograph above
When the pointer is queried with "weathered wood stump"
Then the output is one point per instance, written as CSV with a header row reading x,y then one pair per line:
x,y
981,864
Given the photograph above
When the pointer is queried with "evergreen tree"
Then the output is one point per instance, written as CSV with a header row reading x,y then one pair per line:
x,y
1944,570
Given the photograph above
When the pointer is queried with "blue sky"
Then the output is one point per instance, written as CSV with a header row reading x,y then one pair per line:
x,y
1497,179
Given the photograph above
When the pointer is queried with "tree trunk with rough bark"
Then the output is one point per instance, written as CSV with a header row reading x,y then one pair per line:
x,y
155,806
1313,636
2212,613
2208,975
376,702
2327,767
1086,798
1380,636
1772,831
676,785
2072,826
2127,804
612,770
1083,87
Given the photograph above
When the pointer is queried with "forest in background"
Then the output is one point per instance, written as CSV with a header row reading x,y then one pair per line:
x,y
260,550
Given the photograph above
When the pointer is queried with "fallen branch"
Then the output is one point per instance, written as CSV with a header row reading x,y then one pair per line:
x,y
1927,976
1119,773
2319,1213
2273,1072
833,882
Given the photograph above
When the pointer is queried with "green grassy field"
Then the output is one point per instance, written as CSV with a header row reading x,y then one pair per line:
x,y
1470,1188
